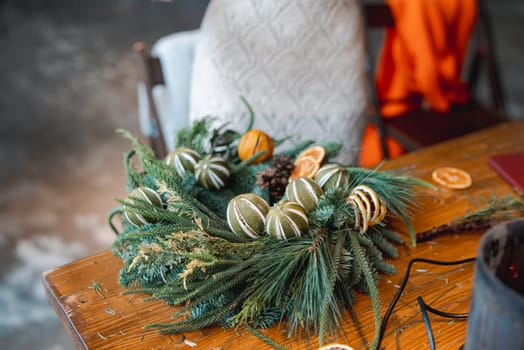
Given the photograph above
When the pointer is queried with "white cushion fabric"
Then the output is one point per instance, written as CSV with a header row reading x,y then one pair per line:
x,y
299,63
176,54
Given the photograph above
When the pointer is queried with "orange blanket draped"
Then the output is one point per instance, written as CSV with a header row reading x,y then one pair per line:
x,y
420,63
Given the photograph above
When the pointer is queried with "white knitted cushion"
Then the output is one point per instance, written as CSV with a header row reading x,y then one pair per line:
x,y
299,63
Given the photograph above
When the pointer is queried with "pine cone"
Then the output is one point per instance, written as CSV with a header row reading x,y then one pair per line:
x,y
275,178
284,165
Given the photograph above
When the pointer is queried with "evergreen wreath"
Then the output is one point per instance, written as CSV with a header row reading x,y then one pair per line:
x,y
184,252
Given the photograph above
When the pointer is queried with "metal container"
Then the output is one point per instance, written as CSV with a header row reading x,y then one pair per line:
x,y
496,318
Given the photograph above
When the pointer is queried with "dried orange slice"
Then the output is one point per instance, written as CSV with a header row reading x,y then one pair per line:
x,y
316,153
452,177
305,167
335,346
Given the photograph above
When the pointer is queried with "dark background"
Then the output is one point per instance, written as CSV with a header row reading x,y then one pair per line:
x,y
67,81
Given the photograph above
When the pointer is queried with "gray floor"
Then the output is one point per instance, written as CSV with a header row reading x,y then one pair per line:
x,y
67,81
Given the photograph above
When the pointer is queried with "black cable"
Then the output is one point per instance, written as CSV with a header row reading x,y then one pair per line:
x,y
442,313
424,308
403,284
425,317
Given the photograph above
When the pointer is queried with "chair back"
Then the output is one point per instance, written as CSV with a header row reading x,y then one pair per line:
x,y
482,48
151,75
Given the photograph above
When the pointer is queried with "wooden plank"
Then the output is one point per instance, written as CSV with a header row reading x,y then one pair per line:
x,y
110,320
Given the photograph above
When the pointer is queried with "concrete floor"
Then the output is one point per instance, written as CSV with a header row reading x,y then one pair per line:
x,y
67,77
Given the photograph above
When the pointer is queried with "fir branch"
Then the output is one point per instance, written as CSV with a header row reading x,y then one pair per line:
x,y
142,150
383,266
180,201
195,137
192,256
150,233
204,319
381,242
264,338
152,212
391,235
221,282
344,292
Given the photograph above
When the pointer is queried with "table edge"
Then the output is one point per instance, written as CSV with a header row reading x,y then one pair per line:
x,y
52,298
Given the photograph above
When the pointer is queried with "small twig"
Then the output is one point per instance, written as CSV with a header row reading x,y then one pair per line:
x,y
97,287
496,211
451,228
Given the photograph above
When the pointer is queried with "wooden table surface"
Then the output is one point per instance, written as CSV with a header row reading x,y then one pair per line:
x,y
102,318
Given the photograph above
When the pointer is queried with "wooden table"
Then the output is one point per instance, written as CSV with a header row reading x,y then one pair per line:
x,y
102,318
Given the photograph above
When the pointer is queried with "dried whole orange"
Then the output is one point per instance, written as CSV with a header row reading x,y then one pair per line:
x,y
253,142
316,153
452,177
335,346
306,167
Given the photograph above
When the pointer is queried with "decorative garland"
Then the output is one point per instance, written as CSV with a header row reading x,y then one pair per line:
x,y
243,239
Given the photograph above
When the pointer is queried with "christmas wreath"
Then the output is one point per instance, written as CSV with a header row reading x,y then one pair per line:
x,y
242,236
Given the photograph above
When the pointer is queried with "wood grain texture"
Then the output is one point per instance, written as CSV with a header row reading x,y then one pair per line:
x,y
110,320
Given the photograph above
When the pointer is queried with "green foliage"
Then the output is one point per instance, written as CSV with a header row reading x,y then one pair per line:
x,y
395,190
190,257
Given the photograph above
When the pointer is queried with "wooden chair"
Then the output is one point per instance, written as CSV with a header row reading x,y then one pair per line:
x,y
413,131
150,75
423,128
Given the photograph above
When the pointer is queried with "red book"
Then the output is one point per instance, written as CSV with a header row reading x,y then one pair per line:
x,y
511,167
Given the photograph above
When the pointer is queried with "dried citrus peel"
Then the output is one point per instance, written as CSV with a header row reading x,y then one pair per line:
x,y
307,167
369,208
452,178
315,153
308,162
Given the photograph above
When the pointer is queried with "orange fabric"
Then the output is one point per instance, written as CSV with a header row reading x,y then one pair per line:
x,y
371,151
422,56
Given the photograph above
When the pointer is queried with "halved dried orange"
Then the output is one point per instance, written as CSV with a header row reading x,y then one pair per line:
x,y
452,177
305,167
335,346
316,153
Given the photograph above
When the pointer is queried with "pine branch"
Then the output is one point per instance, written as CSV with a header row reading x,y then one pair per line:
x,y
332,149
251,113
299,147
191,256
133,178
329,301
496,211
360,258
397,192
